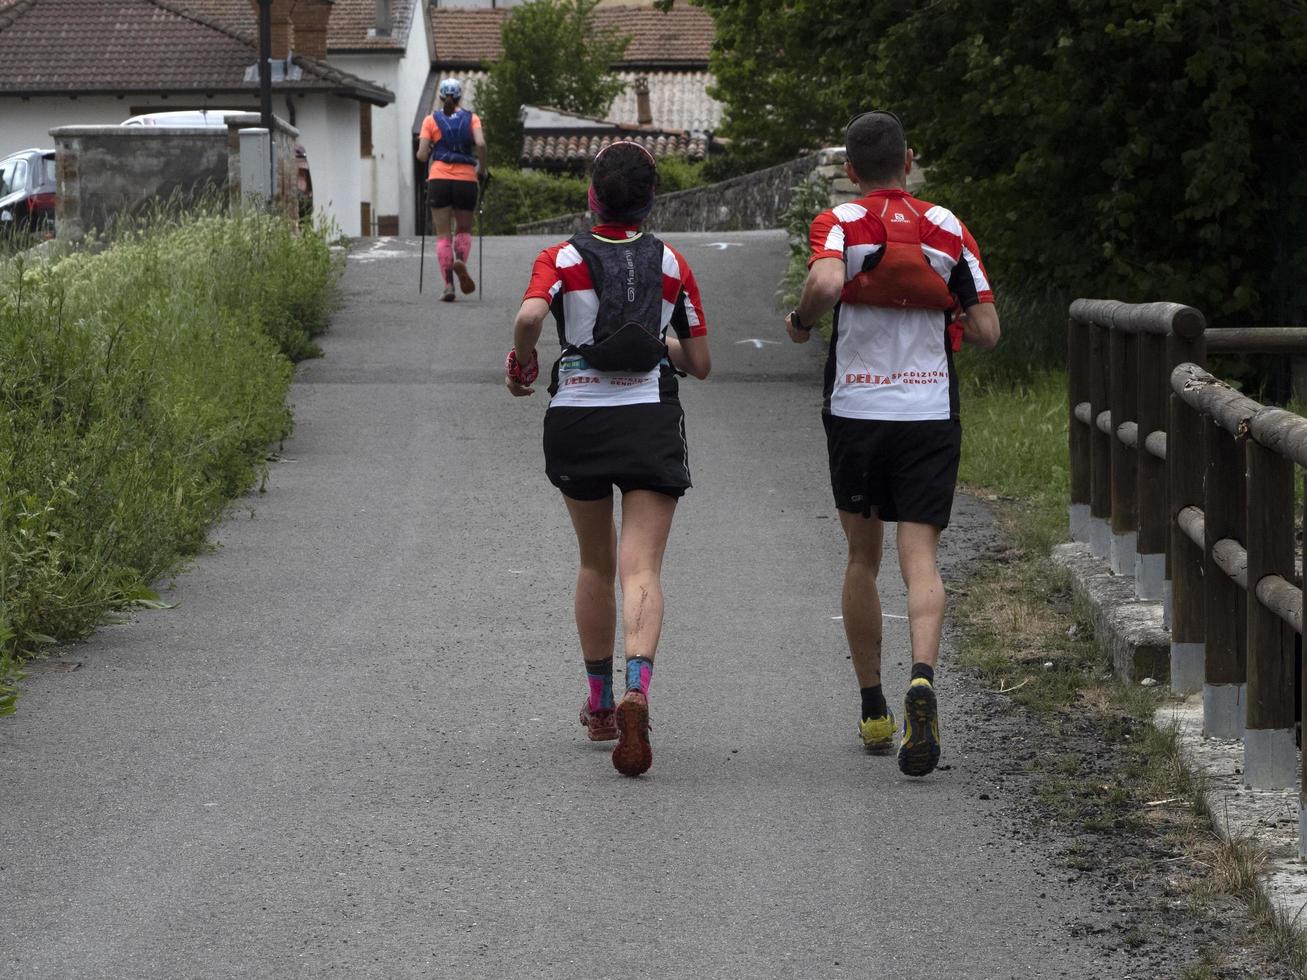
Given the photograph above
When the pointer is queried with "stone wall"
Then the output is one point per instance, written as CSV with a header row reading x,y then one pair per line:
x,y
107,173
745,203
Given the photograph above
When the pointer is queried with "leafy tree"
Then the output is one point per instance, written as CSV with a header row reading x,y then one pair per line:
x,y
553,56
1143,149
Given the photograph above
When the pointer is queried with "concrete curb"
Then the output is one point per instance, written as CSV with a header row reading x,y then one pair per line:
x,y
1129,629
1268,816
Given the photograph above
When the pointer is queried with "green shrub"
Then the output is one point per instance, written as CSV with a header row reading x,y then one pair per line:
x,y
516,197
140,387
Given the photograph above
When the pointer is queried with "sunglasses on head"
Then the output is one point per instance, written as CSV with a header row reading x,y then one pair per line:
x,y
875,112
642,149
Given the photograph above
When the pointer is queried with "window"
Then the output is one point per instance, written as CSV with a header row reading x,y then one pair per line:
x,y
365,130
6,175
19,182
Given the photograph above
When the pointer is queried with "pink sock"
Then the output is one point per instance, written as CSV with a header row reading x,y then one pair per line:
x,y
462,245
445,256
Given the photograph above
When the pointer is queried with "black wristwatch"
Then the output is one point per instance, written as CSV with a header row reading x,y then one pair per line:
x,y
796,323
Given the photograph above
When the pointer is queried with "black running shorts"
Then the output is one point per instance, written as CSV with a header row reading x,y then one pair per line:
x,y
907,471
588,451
461,195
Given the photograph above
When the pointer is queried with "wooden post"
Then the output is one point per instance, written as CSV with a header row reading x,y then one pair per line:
x,y
1184,464
1100,447
1185,344
1225,603
1151,487
1270,753
1122,398
1078,434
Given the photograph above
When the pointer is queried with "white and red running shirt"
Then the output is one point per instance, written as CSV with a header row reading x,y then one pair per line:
x,y
561,277
893,363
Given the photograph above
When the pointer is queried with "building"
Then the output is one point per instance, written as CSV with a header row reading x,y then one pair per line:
x,y
665,104
97,62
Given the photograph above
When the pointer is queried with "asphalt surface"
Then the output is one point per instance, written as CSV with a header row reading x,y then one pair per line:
x,y
352,747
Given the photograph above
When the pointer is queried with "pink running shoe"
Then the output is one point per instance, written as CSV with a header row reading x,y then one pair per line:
x,y
599,723
633,754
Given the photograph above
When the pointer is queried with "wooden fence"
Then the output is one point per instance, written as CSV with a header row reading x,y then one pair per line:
x,y
1188,486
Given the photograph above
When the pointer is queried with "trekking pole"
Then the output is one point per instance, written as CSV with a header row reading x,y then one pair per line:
x,y
481,233
426,218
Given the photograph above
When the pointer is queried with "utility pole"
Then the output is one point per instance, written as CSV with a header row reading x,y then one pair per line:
x,y
265,86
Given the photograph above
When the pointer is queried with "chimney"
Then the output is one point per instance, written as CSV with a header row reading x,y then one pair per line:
x,y
310,18
283,32
385,23
644,114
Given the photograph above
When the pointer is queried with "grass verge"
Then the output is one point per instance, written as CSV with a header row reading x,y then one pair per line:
x,y
140,386
1030,642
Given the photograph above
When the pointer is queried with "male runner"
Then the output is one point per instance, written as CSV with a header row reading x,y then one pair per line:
x,y
451,138
906,282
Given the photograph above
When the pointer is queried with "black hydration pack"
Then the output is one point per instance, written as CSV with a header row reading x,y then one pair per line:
x,y
628,280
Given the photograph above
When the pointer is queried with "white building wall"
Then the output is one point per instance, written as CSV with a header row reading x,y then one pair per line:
x,y
388,181
27,122
329,133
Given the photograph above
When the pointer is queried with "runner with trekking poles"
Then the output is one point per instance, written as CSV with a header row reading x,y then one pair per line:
x,y
615,419
451,139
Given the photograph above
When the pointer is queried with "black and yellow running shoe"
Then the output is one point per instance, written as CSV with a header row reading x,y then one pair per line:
x,y
919,753
878,733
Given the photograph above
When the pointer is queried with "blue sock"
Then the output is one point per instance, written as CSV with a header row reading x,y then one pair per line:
x,y
639,670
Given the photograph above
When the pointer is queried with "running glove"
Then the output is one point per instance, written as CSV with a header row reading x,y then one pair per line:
x,y
522,374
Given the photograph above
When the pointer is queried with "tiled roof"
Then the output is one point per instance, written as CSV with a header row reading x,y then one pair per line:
x,y
347,30
682,36
678,100
92,46
575,152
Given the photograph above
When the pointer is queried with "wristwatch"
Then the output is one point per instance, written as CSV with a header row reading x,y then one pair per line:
x,y
796,323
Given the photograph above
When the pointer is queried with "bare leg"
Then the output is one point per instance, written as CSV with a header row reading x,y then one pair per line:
x,y
596,602
918,561
646,522
860,602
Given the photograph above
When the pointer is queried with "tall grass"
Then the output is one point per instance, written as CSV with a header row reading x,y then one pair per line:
x,y
139,387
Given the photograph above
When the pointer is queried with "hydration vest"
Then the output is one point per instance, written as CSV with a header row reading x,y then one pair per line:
x,y
455,143
628,280
898,274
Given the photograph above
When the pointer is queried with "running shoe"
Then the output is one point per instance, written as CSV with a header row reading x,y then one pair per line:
x,y
448,295
600,724
878,733
465,282
633,753
919,752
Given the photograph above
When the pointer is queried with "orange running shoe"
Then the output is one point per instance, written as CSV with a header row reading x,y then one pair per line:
x,y
600,725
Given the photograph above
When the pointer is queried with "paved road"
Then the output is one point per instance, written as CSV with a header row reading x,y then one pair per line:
x,y
352,748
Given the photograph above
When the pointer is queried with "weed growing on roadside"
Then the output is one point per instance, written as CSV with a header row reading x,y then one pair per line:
x,y
139,387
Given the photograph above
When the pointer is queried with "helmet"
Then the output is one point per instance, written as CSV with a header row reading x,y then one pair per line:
x,y
451,88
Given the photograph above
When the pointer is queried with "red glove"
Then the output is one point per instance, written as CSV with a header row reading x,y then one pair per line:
x,y
955,336
522,375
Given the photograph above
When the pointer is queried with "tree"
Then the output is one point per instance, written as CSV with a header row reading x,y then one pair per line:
x,y
553,56
1142,149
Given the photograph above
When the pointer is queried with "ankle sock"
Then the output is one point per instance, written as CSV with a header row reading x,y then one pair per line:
x,y
924,670
639,670
873,703
599,675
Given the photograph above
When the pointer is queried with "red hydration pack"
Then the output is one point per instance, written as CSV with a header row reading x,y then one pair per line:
x,y
898,274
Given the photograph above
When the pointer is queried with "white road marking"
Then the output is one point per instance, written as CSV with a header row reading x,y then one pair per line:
x,y
757,342
721,246
882,615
